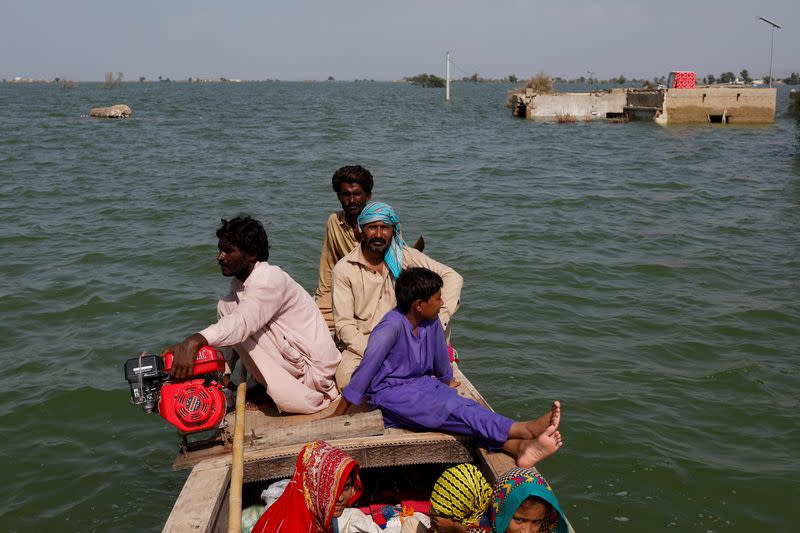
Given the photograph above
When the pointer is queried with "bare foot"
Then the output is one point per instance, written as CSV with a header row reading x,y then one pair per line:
x,y
545,445
533,428
555,414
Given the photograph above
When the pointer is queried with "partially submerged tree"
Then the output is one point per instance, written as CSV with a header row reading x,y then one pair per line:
x,y
111,81
426,80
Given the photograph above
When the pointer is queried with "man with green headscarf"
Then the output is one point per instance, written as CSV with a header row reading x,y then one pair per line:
x,y
363,284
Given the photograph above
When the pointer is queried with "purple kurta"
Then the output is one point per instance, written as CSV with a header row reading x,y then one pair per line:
x,y
407,376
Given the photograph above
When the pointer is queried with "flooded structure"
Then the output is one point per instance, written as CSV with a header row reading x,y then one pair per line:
x,y
724,104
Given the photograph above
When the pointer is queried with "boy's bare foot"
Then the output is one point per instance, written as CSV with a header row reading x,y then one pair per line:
x,y
545,445
533,428
555,414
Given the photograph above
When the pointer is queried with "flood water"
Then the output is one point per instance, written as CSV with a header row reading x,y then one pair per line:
x,y
646,276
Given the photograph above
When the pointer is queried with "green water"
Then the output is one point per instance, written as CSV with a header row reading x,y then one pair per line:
x,y
648,277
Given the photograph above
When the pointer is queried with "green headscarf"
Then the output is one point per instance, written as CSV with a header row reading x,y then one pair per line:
x,y
512,489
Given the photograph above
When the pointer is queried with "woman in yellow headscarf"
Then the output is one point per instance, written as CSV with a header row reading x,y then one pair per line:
x,y
459,500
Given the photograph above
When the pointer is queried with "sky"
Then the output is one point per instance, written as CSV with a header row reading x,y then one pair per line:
x,y
382,40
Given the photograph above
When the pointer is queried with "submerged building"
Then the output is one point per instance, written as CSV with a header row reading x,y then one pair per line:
x,y
724,104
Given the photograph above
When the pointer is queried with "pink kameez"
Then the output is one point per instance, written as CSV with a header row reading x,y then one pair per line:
x,y
281,337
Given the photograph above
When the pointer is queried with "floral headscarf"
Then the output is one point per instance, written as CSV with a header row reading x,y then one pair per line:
x,y
513,488
307,504
461,494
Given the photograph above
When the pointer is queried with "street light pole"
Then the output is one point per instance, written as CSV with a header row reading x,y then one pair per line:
x,y
771,43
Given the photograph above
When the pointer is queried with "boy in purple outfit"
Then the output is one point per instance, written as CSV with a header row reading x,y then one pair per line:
x,y
406,372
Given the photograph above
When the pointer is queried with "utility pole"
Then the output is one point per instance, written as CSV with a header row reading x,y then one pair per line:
x,y
771,42
447,78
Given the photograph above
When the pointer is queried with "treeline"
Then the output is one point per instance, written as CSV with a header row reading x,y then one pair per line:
x,y
619,80
744,77
431,80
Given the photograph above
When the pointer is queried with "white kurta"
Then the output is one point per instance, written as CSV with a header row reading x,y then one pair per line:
x,y
278,331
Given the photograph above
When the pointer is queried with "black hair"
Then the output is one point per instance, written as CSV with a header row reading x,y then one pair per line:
x,y
352,174
414,284
247,234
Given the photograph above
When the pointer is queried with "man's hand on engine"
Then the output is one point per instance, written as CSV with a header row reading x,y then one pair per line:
x,y
185,354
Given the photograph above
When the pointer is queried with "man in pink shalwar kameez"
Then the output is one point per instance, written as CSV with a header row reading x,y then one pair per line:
x,y
272,323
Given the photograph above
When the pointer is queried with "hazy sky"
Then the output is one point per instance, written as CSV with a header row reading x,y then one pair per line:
x,y
348,39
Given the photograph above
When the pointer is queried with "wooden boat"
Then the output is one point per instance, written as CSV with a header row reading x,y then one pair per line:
x,y
272,443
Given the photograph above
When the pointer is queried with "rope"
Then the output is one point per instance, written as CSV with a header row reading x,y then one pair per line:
x,y
458,67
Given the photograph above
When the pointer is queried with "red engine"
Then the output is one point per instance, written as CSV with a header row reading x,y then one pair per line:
x,y
196,404
191,405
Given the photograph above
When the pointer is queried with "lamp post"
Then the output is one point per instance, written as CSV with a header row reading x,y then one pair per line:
x,y
771,41
447,78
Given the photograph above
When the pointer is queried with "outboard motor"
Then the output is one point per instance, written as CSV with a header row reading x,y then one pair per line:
x,y
194,404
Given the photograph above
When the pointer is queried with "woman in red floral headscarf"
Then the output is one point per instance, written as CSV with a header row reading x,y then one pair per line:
x,y
325,481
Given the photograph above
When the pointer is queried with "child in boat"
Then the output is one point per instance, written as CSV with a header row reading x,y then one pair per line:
x,y
406,372
325,481
459,500
521,502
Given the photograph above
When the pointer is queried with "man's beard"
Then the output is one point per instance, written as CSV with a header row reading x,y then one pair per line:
x,y
377,246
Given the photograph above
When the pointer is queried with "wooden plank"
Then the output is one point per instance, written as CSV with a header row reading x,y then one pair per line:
x,y
266,435
396,447
200,502
359,425
370,452
269,417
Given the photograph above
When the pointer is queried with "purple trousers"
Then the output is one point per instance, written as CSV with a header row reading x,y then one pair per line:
x,y
470,418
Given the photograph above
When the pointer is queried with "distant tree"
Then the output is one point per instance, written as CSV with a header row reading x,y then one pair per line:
x,y
160,78
512,78
426,80
766,79
745,76
190,79
710,79
620,80
141,79
727,77
110,81
330,78
794,79
541,83
474,78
